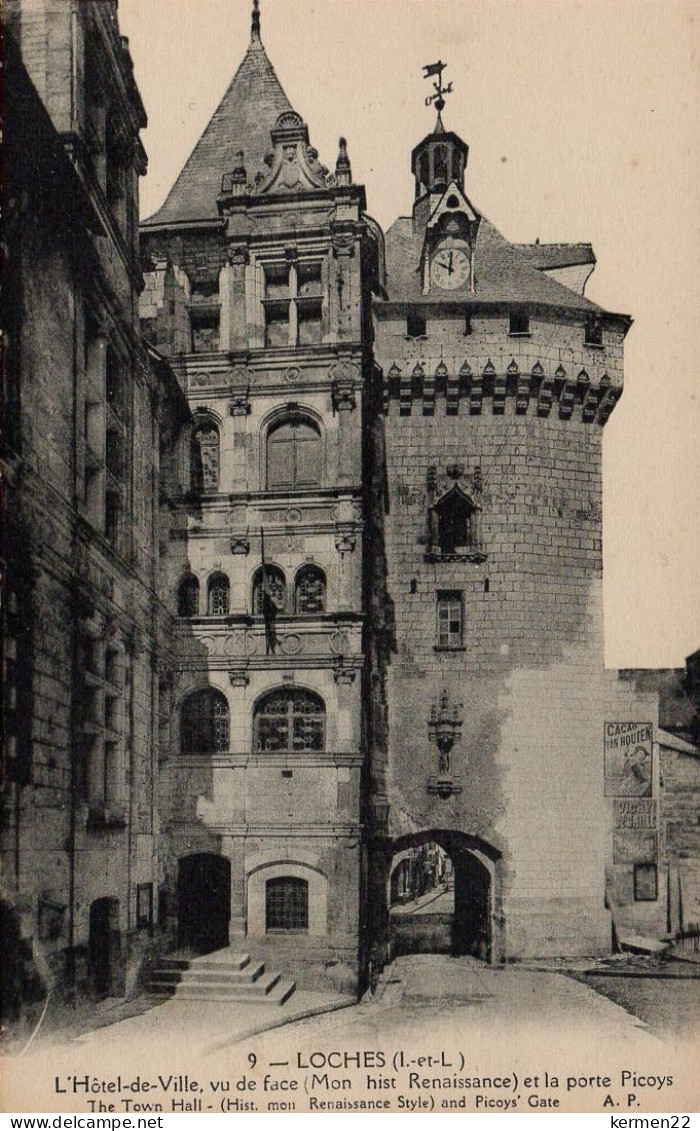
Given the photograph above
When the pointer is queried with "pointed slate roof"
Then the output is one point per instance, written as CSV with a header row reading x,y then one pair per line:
x,y
243,120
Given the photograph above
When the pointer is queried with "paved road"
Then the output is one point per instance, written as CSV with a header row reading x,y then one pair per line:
x,y
463,1018
434,903
499,1022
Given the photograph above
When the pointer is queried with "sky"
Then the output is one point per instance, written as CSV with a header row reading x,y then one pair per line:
x,y
582,122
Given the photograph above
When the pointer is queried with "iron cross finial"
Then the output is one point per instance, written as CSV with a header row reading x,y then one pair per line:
x,y
255,22
438,98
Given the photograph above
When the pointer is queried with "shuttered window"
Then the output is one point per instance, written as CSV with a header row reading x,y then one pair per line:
x,y
294,455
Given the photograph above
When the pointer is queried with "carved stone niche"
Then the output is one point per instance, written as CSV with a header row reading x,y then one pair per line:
x,y
453,521
444,731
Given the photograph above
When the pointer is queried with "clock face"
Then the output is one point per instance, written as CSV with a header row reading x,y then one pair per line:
x,y
449,268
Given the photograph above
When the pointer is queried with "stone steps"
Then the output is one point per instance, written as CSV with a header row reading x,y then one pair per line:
x,y
222,976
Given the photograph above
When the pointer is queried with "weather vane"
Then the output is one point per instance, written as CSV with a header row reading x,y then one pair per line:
x,y
440,91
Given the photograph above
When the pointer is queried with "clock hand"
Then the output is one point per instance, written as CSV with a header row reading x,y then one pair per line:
x,y
449,267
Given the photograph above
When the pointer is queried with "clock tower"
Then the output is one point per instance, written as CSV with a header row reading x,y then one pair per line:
x,y
498,375
442,214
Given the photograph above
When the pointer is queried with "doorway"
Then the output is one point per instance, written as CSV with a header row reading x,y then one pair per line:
x,y
104,945
204,902
441,895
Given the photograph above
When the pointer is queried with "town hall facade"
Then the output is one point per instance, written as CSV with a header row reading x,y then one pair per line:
x,y
388,581
303,585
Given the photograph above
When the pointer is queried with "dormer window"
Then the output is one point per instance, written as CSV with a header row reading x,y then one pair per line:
x,y
519,323
415,324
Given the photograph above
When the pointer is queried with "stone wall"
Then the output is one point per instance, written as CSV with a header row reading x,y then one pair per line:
x,y
526,677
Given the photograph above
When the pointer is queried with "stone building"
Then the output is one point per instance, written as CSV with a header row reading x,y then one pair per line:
x,y
261,267
389,598
668,906
92,426
498,376
309,586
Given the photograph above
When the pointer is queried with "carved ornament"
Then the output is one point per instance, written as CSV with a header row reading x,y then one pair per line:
x,y
240,543
345,538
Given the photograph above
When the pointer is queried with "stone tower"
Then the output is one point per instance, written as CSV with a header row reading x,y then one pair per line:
x,y
498,375
261,266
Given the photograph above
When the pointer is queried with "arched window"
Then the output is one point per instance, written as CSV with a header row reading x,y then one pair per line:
x,y
294,454
424,169
276,588
286,904
188,597
290,720
310,591
440,164
205,458
204,725
456,522
218,595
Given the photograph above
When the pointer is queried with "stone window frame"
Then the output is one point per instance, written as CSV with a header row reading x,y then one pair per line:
x,y
276,579
310,569
293,292
218,594
275,418
107,458
290,722
188,590
107,673
593,333
144,906
287,901
446,601
198,483
294,420
470,551
416,324
272,868
519,325
220,732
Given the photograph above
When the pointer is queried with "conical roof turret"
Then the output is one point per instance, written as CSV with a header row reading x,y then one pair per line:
x,y
243,120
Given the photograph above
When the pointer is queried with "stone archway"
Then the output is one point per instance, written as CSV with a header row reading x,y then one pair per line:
x,y
203,902
463,915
